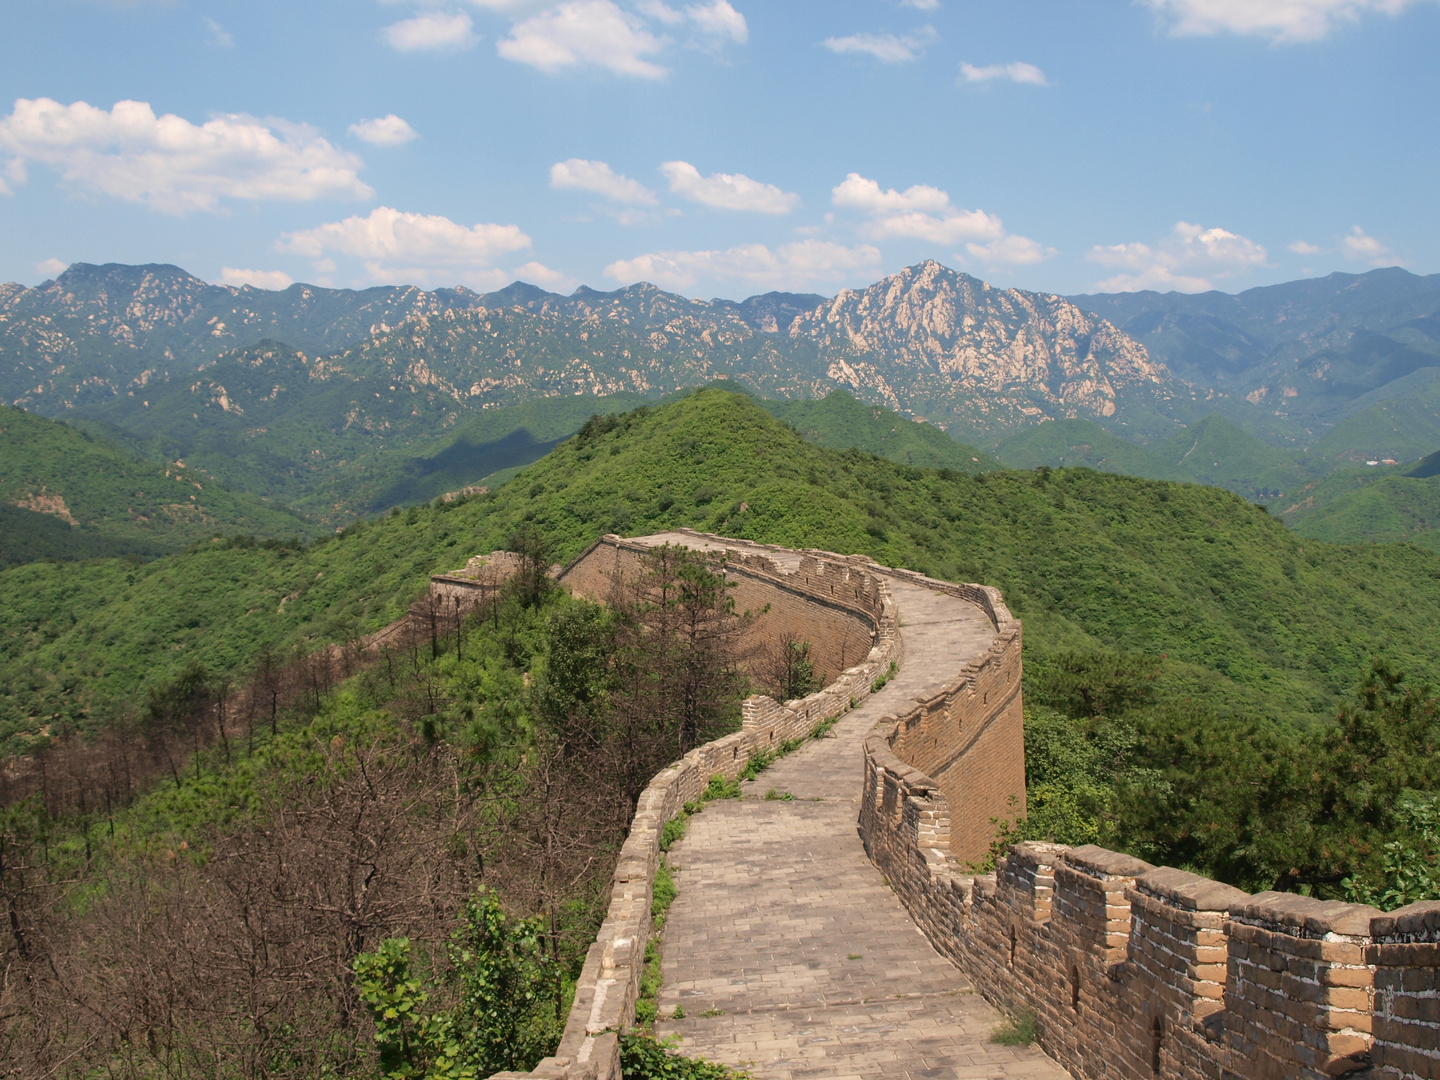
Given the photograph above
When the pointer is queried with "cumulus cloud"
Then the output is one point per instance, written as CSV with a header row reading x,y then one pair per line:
x,y
581,32
727,191
219,36
1010,251
397,247
1361,246
1016,72
720,19
801,265
578,174
1279,20
51,267
261,279
1187,261
171,164
432,30
920,212
887,48
1300,247
384,131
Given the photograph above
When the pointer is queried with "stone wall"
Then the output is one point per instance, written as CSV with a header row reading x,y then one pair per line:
x,y
847,586
830,601
1133,971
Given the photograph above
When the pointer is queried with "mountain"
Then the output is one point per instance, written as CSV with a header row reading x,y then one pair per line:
x,y
1303,351
67,494
1249,615
103,339
947,346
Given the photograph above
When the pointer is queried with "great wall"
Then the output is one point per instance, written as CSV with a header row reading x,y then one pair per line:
x,y
799,938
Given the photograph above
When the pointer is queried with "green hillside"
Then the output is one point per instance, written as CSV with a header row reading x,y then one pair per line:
x,y
1211,451
1352,506
1403,429
69,494
840,422
1250,615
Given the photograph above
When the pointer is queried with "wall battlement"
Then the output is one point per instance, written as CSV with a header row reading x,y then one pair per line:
x,y
1134,971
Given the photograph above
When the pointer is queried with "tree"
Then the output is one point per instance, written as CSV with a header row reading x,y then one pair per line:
x,y
531,583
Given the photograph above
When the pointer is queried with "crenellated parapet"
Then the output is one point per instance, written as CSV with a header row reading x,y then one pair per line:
x,y
1133,971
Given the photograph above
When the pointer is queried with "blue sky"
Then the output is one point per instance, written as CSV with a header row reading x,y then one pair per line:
x,y
722,147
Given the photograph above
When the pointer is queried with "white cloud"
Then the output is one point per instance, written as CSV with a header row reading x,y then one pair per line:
x,y
398,247
173,165
384,131
432,30
1300,247
921,5
51,267
660,12
1359,245
1279,20
1016,72
585,32
800,265
219,36
261,279
577,174
887,48
720,19
727,191
1180,261
1011,251
920,212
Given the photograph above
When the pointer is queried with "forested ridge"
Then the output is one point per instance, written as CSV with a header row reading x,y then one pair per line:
x,y
1204,689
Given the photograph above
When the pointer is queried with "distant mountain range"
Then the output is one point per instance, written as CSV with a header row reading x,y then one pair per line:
x,y
1307,353
105,340
335,402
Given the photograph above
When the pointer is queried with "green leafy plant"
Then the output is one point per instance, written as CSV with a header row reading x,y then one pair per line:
x,y
643,1057
1018,1030
498,983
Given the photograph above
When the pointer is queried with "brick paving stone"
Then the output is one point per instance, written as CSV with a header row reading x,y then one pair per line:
x,y
775,898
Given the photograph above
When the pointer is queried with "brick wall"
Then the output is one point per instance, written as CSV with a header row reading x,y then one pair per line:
x,y
1133,971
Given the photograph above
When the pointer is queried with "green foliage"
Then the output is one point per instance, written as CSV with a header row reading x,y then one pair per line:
x,y
879,682
664,891
501,1017
673,831
1411,868
1096,682
643,1057
1017,1031
721,788
774,795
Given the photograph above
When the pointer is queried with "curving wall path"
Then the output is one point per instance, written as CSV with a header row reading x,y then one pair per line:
x,y
795,951
783,930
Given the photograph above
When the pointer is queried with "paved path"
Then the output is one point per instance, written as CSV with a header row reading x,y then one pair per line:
x,y
787,935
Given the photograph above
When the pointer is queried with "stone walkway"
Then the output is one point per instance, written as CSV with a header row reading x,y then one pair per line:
x,y
787,951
